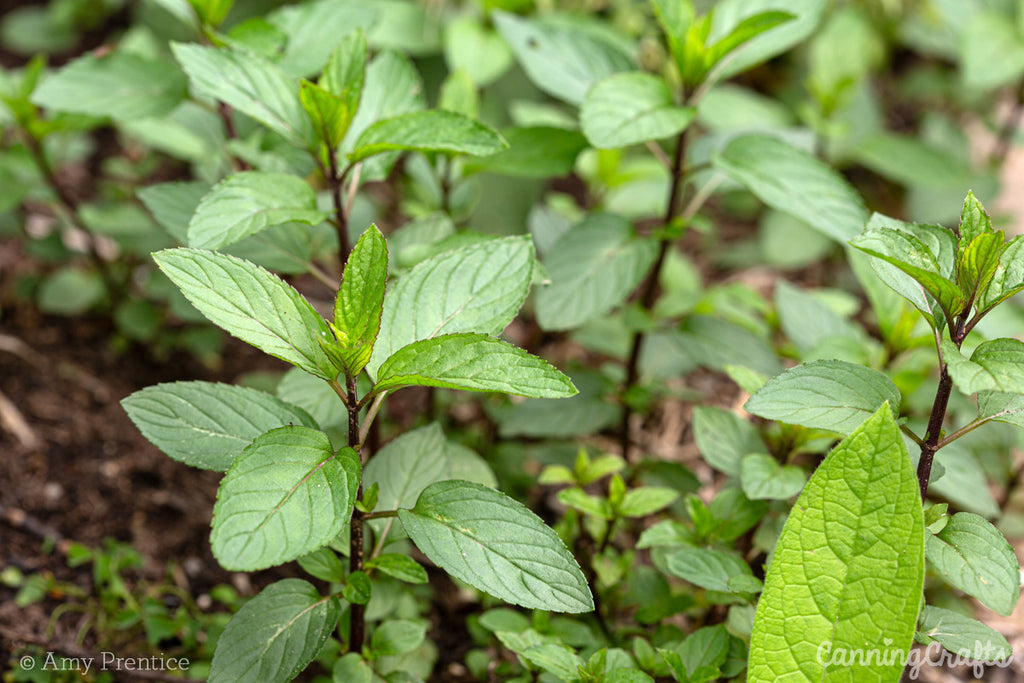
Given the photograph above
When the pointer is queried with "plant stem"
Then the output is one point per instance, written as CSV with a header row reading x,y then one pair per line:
x,y
224,110
933,440
584,551
335,181
357,622
650,288
934,432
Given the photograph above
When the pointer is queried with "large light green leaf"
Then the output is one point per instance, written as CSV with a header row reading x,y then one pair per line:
x,y
562,61
724,438
495,544
848,569
1001,407
593,267
794,182
207,424
252,304
286,495
245,203
428,131
973,555
474,289
474,362
275,635
628,108
249,84
824,394
119,85
315,396
962,635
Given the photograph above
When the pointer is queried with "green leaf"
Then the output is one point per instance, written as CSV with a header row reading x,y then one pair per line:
x,y
848,569
345,72
973,556
969,377
495,544
473,362
974,221
275,635
401,567
748,28
977,264
249,84
324,565
584,502
794,182
938,252
120,85
561,60
328,113
396,637
1008,408
70,291
536,152
211,12
403,468
245,203
471,47
206,424
807,320
701,655
710,569
724,438
646,500
352,668
358,589
675,17
730,15
428,131
313,30
287,494
172,205
628,108
593,267
991,50
1003,359
392,87
763,478
1008,278
824,394
555,658
913,257
313,395
478,288
360,300
252,304
962,635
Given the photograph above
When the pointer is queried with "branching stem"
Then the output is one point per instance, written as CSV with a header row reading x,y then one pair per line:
x,y
650,288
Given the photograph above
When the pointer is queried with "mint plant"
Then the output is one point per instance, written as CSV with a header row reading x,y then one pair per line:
x,y
850,562
288,493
